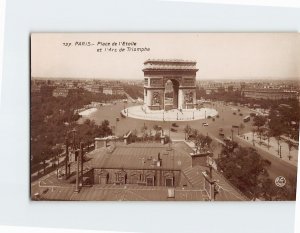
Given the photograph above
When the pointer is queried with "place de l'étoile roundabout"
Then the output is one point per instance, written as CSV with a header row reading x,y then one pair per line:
x,y
142,113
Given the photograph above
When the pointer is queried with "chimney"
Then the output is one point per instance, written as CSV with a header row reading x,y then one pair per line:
x,y
159,161
210,171
209,185
162,137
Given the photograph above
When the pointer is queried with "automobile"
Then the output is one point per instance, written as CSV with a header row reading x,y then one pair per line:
x,y
227,139
246,119
221,134
204,124
174,125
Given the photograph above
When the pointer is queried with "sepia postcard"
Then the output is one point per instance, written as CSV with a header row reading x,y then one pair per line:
x,y
164,116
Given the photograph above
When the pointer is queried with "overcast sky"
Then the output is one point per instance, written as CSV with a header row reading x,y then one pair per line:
x,y
218,55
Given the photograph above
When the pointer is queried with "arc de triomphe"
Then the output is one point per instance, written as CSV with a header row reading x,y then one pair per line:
x,y
183,76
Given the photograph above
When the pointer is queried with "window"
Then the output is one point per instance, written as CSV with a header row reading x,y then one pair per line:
x,y
150,181
169,182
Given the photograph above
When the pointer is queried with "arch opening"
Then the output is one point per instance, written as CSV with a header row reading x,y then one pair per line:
x,y
171,94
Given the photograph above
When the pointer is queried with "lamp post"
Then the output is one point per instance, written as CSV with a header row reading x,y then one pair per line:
x,y
57,167
117,119
77,174
66,158
280,151
81,162
232,134
169,134
44,163
74,141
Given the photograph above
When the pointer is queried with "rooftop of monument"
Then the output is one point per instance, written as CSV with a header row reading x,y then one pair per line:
x,y
169,61
169,64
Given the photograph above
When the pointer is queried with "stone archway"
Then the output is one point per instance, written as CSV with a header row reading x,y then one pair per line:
x,y
175,93
183,76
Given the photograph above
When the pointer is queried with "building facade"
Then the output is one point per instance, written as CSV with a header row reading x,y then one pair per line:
x,y
269,93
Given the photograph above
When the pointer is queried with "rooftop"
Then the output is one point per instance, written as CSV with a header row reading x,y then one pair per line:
x,y
139,156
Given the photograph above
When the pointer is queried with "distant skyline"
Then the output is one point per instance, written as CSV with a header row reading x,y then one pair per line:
x,y
219,56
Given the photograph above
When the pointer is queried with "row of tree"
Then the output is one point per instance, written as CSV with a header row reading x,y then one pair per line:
x,y
52,117
244,167
248,171
134,91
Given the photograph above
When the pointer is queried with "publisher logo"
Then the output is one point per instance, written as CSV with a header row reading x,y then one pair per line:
x,y
280,181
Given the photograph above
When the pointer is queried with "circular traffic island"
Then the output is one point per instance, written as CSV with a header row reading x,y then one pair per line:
x,y
142,113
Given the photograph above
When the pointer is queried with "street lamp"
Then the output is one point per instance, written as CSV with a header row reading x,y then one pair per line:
x,y
169,134
117,119
280,151
67,158
74,134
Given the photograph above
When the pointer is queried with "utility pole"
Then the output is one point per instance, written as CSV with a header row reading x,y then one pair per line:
x,y
67,158
74,133
117,119
280,151
77,173
44,164
74,147
170,135
57,168
81,162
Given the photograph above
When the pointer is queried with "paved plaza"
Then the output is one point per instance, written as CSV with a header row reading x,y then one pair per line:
x,y
140,112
